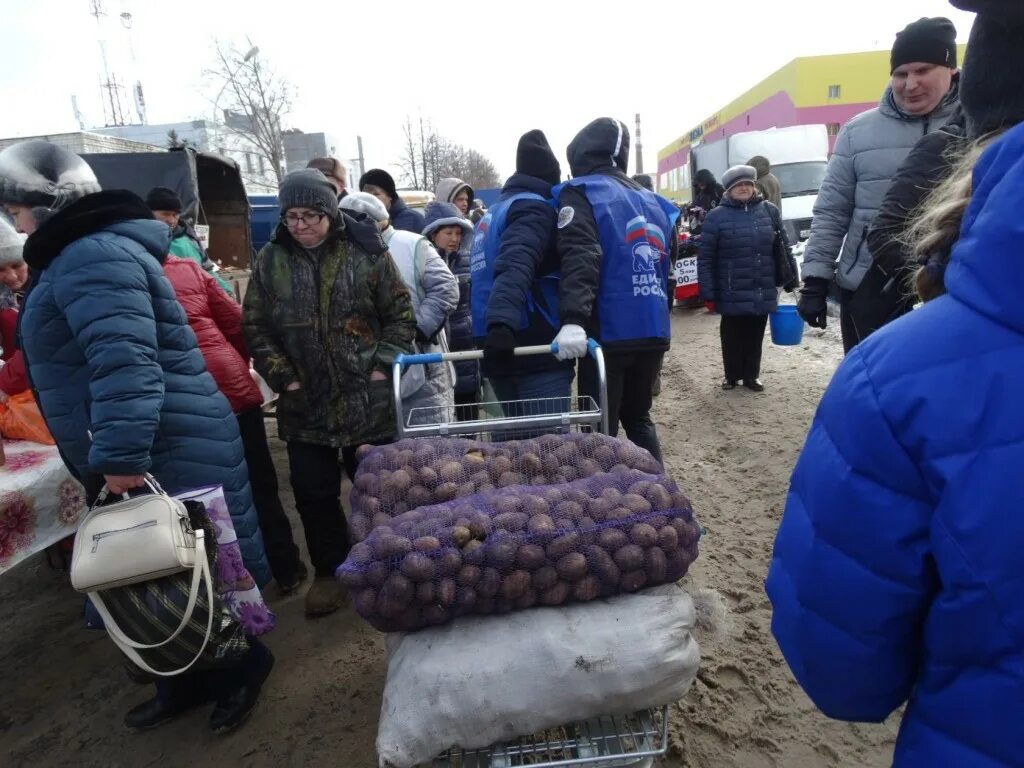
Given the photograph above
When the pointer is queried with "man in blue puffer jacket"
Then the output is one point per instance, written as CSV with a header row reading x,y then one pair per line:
x,y
119,378
522,306
897,570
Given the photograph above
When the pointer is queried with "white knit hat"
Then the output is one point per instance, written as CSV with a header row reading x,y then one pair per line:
x,y
364,202
11,244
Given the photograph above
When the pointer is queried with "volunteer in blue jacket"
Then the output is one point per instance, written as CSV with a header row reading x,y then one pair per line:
x,y
120,380
897,571
614,241
515,280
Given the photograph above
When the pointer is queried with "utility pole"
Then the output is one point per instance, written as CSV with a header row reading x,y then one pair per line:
x,y
362,164
639,147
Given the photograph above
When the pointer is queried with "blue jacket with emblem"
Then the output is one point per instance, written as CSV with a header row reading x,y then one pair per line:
x,y
119,377
735,260
897,571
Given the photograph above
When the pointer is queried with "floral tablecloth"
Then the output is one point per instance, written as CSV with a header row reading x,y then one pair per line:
x,y
40,502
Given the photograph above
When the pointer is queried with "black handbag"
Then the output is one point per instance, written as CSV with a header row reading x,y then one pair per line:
x,y
787,275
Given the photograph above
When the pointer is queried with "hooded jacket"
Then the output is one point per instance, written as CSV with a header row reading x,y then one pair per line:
x,y
448,189
711,195
869,151
602,147
897,568
119,378
405,218
767,183
329,318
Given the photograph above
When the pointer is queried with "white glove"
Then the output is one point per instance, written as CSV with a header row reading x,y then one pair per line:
x,y
571,341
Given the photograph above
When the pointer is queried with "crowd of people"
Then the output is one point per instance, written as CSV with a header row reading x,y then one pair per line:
x,y
895,564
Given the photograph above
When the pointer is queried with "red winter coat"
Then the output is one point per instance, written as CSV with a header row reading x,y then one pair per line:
x,y
217,322
12,376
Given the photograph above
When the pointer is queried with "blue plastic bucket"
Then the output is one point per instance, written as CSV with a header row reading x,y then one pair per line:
x,y
787,326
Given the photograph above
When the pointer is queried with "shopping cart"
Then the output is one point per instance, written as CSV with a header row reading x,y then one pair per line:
x,y
630,741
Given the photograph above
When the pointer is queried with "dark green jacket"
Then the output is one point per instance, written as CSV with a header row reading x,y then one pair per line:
x,y
328,323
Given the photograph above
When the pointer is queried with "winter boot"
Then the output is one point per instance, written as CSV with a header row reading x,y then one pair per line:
x,y
325,596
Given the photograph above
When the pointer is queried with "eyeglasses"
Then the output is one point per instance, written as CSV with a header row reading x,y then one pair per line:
x,y
292,220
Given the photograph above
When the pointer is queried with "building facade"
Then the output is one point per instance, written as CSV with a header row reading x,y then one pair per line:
x,y
301,147
86,142
813,90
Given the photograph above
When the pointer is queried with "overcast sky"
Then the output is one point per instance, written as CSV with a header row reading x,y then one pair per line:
x,y
483,76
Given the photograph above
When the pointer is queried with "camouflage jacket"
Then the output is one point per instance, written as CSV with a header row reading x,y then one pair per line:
x,y
328,323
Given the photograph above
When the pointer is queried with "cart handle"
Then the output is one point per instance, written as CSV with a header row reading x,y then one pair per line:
x,y
430,358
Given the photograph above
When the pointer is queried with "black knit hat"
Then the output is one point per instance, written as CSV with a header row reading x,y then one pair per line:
x,y
308,188
535,158
379,178
163,199
927,41
990,89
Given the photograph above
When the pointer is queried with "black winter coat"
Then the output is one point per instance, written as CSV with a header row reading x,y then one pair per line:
x,y
735,263
405,218
527,251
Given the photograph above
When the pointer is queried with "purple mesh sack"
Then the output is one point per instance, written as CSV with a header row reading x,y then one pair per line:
x,y
394,479
518,547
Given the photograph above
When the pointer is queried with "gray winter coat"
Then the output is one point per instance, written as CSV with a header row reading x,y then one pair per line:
x,y
869,151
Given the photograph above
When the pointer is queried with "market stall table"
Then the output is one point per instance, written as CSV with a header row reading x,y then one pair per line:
x,y
40,502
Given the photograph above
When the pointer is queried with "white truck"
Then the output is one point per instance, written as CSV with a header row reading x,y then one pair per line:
x,y
798,155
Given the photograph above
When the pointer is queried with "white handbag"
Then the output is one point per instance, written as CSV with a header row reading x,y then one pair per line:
x,y
135,540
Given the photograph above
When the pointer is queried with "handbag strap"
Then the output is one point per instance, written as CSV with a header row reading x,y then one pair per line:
x,y
200,574
149,481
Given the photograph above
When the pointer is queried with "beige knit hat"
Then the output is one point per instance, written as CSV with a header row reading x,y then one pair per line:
x,y
11,244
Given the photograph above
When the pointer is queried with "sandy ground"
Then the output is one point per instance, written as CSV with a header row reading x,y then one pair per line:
x,y
64,691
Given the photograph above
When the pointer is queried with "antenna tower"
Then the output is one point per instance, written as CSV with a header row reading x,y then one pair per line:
x,y
112,90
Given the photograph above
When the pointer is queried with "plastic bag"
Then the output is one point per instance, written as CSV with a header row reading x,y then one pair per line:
x,y
20,419
409,474
515,548
479,681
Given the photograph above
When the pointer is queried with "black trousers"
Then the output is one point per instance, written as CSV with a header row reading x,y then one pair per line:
x,y
630,378
847,321
278,541
467,406
316,483
197,686
742,339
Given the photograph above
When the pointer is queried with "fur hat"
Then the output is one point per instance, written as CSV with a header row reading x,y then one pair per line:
x,y
990,92
39,174
929,41
364,202
737,175
308,188
437,215
163,199
11,244
379,178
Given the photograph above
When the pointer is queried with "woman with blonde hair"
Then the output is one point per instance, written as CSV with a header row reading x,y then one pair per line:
x,y
897,569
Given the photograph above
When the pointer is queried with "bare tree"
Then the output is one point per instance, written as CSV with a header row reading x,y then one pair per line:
x,y
254,99
430,157
176,142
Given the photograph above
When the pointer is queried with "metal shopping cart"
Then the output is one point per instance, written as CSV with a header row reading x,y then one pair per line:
x,y
630,741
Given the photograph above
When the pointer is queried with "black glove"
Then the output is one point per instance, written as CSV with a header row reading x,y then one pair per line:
x,y
423,339
499,345
813,303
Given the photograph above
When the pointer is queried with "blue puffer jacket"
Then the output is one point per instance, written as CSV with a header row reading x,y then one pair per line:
x,y
527,251
120,380
898,566
735,261
405,218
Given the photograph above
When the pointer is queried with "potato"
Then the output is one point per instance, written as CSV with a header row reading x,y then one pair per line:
x,y
658,521
501,551
366,483
359,526
629,557
508,479
469,576
544,578
636,504
429,478
572,567
534,505
602,565
659,498
380,519
605,456
639,488
611,494
445,492
679,562
569,510
527,600
556,595
542,526
643,535
465,600
449,562
611,539
552,496
599,508
434,615
445,592
687,532
376,573
620,469
569,474
633,581
530,556
450,472
511,521
498,466
530,465
361,553
550,463
474,459
568,454
363,451
490,583
418,567
461,535
515,585
418,496
567,542
589,468
426,544
426,593
656,565
365,601
474,553
668,539
586,589
351,577
399,482
398,589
